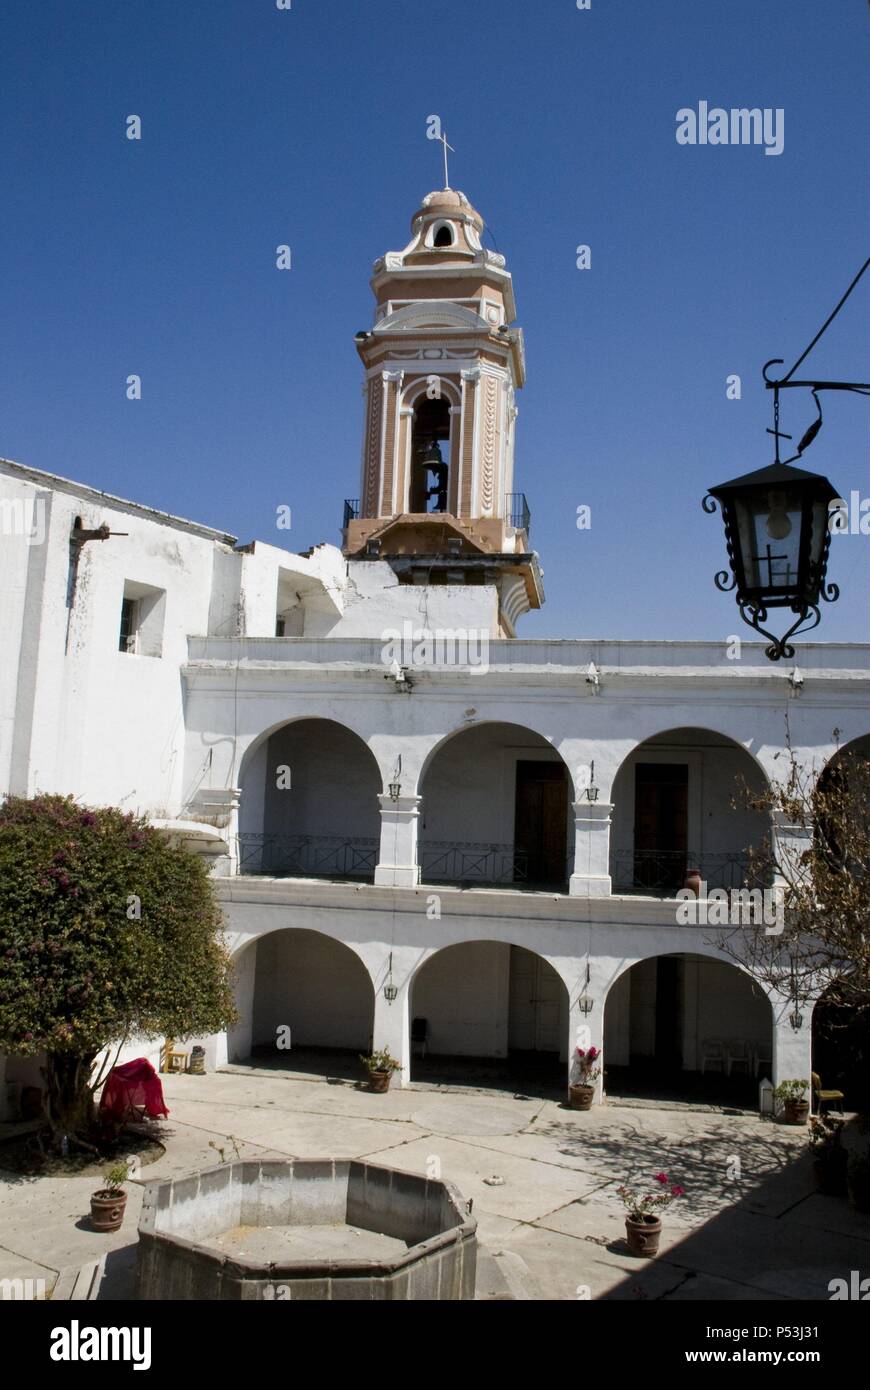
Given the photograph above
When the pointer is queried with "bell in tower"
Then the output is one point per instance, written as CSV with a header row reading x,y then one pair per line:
x,y
442,367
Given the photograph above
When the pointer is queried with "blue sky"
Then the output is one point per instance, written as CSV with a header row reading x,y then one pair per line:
x,y
308,127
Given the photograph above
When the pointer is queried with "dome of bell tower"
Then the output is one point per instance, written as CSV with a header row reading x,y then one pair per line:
x,y
445,225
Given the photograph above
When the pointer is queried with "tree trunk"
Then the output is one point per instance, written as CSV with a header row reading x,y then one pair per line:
x,y
69,1100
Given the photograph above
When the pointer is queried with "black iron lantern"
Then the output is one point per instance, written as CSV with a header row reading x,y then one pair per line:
x,y
777,535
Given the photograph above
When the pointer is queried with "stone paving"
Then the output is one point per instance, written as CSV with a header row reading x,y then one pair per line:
x,y
542,1178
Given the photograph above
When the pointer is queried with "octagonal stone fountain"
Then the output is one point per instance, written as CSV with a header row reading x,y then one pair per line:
x,y
305,1229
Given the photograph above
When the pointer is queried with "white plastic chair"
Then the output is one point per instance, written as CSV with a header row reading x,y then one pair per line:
x,y
738,1054
712,1054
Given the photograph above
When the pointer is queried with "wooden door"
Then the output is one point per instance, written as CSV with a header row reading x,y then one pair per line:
x,y
541,823
661,800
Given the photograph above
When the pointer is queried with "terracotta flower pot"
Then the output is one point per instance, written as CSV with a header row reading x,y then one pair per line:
x,y
795,1112
693,881
643,1235
107,1210
379,1080
580,1095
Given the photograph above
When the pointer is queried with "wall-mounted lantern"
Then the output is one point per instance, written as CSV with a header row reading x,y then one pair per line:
x,y
395,786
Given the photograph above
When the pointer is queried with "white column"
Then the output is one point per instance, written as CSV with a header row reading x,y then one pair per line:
x,y
236,1044
792,1047
391,1027
587,1030
789,843
397,863
591,876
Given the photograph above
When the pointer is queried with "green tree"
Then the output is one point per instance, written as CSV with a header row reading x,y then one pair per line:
x,y
107,932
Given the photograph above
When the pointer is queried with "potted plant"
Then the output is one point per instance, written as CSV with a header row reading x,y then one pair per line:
x,y
109,1203
829,1157
380,1067
581,1089
642,1226
791,1096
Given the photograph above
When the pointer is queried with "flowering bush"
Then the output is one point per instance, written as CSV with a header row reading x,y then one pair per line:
x,y
106,932
585,1070
642,1206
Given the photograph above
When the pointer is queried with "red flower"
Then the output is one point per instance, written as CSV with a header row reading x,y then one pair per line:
x,y
661,1177
677,1191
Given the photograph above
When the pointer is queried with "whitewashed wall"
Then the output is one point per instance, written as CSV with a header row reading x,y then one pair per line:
x,y
314,986
334,782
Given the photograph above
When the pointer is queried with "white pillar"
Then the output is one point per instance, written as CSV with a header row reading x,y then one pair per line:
x,y
591,876
789,843
397,863
228,1047
586,1030
792,1047
391,1027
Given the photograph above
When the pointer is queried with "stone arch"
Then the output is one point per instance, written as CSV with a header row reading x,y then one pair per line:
x,y
311,982
678,803
426,420
491,1007
496,808
672,1019
309,795
855,750
257,742
435,749
419,384
670,728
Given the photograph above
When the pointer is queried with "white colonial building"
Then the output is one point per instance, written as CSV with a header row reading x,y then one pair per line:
x,y
419,823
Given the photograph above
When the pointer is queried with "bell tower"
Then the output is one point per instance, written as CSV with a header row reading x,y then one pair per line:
x,y
442,369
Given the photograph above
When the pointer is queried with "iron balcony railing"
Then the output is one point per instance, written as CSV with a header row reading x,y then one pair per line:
x,y
351,511
481,865
484,864
661,873
309,856
518,514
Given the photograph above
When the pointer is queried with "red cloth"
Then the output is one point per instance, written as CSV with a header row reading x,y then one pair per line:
x,y
134,1083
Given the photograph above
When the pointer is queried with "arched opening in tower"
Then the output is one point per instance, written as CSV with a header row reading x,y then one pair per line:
x,y
430,466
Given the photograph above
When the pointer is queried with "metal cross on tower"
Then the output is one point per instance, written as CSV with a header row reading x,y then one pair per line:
x,y
442,139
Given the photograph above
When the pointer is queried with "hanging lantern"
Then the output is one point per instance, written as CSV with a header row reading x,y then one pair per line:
x,y
777,535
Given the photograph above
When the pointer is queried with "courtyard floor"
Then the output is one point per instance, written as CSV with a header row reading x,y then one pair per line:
x,y
542,1178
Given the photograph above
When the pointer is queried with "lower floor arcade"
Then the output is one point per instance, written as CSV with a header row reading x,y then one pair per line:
x,y
468,990
497,990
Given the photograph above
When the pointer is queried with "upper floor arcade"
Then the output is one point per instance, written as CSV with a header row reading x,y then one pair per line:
x,y
547,771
